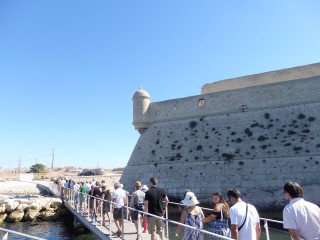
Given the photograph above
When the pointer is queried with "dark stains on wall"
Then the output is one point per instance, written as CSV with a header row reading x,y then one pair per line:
x,y
260,137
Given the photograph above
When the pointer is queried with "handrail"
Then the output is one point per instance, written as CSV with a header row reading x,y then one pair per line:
x,y
209,209
180,224
71,193
271,220
20,234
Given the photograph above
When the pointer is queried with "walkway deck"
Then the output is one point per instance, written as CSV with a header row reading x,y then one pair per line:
x,y
103,232
107,231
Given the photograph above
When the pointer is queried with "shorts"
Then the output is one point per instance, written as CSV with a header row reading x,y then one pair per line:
x,y
117,213
135,214
154,225
82,197
106,207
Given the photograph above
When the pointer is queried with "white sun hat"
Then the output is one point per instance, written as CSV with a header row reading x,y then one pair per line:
x,y
190,199
144,188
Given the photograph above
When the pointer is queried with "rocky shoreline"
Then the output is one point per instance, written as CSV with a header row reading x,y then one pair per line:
x,y
22,201
30,207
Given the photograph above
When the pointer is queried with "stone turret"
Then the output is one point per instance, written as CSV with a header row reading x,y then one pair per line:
x,y
141,102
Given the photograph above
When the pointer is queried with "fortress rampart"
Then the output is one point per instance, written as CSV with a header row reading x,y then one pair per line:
x,y
254,138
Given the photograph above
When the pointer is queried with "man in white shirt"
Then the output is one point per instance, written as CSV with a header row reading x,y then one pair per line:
x,y
245,222
119,199
301,218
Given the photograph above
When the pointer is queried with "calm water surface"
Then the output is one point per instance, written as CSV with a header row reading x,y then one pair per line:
x,y
45,229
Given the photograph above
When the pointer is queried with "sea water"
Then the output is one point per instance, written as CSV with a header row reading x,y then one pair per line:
x,y
51,230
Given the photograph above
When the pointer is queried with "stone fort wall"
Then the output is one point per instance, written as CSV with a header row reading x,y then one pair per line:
x,y
255,139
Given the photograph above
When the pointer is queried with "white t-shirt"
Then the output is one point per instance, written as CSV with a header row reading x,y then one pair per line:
x,y
237,216
304,217
119,196
88,187
76,187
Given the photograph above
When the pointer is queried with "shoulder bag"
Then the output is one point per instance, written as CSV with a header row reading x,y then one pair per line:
x,y
219,226
239,228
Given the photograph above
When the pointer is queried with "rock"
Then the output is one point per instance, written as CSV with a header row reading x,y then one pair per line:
x,y
44,202
3,197
2,217
50,215
15,216
56,202
31,214
6,200
23,201
22,206
2,208
11,206
35,206
46,208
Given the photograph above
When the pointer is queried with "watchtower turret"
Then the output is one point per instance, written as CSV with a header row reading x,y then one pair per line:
x,y
141,102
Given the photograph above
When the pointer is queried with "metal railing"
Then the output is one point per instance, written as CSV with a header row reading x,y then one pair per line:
x,y
69,196
273,232
169,223
7,231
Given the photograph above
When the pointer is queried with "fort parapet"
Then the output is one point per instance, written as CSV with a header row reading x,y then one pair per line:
x,y
254,133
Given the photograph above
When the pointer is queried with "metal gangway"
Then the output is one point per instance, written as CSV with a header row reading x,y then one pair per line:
x,y
108,230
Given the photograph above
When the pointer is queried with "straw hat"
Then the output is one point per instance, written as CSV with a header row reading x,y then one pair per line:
x,y
190,199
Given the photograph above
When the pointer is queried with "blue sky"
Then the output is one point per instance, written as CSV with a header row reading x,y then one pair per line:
x,y
69,69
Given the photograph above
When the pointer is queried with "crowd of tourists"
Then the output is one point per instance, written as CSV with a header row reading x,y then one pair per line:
x,y
301,218
241,221
81,190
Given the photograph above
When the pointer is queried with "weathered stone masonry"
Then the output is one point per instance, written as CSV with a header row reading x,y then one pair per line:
x,y
254,138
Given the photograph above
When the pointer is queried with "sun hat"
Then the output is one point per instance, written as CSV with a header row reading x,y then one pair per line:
x,y
144,188
190,199
137,184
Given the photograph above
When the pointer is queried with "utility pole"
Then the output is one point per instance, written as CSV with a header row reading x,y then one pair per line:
x,y
19,165
52,162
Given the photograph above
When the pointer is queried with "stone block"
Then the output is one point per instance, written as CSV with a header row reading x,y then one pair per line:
x,y
3,217
11,206
15,216
22,207
2,208
31,214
